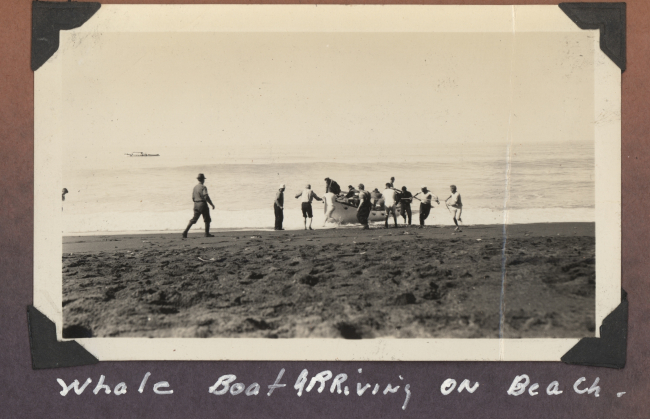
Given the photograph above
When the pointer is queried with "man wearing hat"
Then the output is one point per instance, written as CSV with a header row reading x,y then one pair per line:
x,y
201,200
425,204
278,207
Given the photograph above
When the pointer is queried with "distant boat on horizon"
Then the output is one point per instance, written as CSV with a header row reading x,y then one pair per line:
x,y
141,154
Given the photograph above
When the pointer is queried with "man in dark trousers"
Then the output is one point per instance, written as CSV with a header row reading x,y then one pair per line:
x,y
363,211
201,200
307,196
278,207
406,199
425,203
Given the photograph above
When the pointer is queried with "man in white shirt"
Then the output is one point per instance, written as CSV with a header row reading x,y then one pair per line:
x,y
329,199
390,196
455,206
307,196
425,203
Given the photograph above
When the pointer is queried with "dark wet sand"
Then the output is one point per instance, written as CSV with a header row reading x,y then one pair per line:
x,y
405,283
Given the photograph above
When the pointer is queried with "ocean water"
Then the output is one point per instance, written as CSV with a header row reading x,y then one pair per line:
x,y
112,192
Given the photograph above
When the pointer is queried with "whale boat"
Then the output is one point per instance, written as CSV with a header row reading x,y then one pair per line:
x,y
345,213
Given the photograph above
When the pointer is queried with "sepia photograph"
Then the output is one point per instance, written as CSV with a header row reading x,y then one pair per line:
x,y
330,184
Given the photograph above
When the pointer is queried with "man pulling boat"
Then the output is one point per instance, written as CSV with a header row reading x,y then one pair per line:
x,y
425,203
405,207
363,211
390,202
329,198
455,206
340,208
307,196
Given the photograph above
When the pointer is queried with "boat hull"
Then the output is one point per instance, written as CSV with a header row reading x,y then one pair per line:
x,y
347,214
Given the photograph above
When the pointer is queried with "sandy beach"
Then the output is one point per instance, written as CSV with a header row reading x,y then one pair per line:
x,y
335,283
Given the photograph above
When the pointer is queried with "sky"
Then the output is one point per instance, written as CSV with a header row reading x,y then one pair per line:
x,y
273,97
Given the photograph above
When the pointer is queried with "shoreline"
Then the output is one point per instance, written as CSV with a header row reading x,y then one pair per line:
x,y
334,283
195,230
112,223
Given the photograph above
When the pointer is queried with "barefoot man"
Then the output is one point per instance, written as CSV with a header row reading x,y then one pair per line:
x,y
363,211
425,203
330,199
307,196
455,206
390,202
201,200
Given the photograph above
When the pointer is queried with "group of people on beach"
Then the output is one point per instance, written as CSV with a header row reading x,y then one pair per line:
x,y
390,200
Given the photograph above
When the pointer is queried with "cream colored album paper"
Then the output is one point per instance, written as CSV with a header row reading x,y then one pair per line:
x,y
340,85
